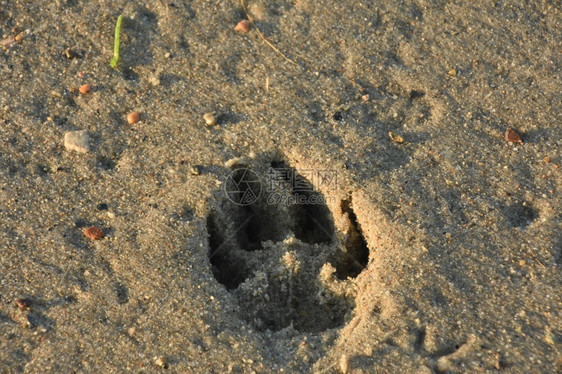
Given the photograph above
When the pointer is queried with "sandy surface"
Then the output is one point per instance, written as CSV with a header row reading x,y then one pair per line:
x,y
442,253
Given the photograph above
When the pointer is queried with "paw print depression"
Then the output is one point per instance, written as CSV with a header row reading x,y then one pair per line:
x,y
273,245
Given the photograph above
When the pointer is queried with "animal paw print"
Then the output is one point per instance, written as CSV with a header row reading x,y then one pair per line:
x,y
274,246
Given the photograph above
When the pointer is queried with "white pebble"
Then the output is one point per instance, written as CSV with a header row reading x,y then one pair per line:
x,y
209,118
160,362
78,141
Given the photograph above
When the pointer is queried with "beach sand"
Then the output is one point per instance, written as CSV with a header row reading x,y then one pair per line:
x,y
433,244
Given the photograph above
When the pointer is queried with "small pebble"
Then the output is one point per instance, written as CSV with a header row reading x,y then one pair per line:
x,y
547,160
154,80
395,137
160,362
23,304
102,206
94,233
79,223
84,89
452,72
78,141
210,119
242,26
133,117
194,170
513,136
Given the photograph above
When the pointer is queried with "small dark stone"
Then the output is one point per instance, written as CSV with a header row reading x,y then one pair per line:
x,y
102,206
414,94
80,223
338,116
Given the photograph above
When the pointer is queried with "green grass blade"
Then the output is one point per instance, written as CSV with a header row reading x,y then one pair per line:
x,y
115,58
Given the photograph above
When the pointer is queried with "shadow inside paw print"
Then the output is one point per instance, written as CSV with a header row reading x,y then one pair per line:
x,y
273,244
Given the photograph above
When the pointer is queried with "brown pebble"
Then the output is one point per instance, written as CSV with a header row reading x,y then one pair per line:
x,y
84,89
94,233
243,26
23,304
547,160
513,136
133,117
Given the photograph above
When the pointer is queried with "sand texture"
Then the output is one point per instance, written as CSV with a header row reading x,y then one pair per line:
x,y
331,188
